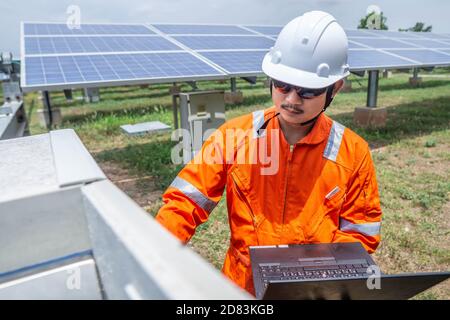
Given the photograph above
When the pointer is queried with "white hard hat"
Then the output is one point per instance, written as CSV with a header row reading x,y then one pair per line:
x,y
310,52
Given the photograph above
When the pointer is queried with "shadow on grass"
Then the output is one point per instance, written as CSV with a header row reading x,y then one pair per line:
x,y
96,114
149,87
405,121
153,91
92,114
113,97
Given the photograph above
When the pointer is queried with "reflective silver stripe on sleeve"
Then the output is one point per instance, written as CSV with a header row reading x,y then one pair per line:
x,y
258,121
194,194
368,229
334,141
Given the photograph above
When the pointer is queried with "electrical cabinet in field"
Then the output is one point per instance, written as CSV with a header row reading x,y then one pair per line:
x,y
201,112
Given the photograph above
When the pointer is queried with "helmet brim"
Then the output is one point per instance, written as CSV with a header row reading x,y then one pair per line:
x,y
297,77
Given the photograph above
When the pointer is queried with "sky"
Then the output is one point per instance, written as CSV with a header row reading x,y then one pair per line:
x,y
399,13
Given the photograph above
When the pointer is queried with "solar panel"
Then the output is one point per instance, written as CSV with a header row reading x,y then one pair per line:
x,y
393,34
430,35
381,43
267,30
79,69
373,59
74,44
427,43
86,29
237,62
359,33
424,56
353,45
225,42
199,29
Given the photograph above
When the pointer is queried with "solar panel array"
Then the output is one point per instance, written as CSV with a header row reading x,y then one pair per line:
x,y
56,57
390,49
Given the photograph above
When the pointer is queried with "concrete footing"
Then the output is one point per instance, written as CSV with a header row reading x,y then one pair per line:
x,y
415,81
234,97
370,117
387,74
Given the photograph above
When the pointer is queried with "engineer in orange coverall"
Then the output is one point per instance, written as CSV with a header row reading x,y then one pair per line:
x,y
292,175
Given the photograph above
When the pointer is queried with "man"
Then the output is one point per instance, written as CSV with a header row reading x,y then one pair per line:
x,y
323,188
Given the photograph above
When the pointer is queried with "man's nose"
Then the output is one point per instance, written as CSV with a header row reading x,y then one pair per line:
x,y
293,98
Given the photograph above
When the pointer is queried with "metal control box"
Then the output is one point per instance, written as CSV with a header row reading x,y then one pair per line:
x,y
201,112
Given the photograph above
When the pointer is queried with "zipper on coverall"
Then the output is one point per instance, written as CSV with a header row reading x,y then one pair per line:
x,y
291,149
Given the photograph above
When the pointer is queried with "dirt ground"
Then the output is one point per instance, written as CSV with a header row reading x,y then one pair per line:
x,y
139,188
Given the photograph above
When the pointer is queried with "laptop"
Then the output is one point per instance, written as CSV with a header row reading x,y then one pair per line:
x,y
330,271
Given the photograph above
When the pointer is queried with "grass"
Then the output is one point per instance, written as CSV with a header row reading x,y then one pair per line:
x,y
411,155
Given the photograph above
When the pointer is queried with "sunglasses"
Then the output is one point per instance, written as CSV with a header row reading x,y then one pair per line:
x,y
304,93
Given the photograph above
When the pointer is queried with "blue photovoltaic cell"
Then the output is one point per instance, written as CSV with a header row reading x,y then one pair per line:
x,y
199,29
352,45
362,59
424,56
380,43
51,45
359,33
393,34
62,29
429,35
426,43
225,42
237,61
100,68
267,30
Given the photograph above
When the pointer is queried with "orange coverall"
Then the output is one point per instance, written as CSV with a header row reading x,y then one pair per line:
x,y
324,190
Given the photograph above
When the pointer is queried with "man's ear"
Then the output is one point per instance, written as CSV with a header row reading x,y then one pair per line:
x,y
337,87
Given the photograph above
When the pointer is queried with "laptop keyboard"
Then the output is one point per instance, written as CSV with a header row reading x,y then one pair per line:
x,y
279,272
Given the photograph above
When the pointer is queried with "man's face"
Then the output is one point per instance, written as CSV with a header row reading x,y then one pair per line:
x,y
294,109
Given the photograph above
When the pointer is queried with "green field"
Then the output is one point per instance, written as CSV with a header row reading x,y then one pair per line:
x,y
411,155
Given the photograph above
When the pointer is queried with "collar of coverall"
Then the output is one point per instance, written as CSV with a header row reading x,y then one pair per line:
x,y
319,132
